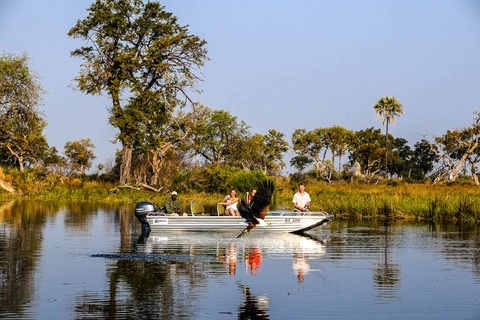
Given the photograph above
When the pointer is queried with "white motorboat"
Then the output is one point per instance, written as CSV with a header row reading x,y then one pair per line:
x,y
156,220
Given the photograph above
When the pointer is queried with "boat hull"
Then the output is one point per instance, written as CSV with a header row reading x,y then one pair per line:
x,y
275,221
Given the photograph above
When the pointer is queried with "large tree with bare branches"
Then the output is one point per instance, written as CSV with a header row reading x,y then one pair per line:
x,y
457,147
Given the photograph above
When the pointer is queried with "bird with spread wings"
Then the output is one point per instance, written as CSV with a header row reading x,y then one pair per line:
x,y
255,211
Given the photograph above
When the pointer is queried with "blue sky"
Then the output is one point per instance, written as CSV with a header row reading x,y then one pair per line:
x,y
281,65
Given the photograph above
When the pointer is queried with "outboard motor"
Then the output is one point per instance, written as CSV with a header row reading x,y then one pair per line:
x,y
141,210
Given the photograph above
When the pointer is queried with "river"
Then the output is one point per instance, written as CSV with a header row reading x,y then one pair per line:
x,y
90,261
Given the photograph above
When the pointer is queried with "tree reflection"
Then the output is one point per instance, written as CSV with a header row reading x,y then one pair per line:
x,y
20,241
253,306
152,289
387,273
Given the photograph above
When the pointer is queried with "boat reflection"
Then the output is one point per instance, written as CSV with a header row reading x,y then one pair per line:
x,y
230,251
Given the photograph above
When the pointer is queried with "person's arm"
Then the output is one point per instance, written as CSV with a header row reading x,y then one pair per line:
x,y
225,201
296,206
308,203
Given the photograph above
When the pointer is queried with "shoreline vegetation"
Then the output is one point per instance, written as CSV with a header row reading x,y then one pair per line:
x,y
390,200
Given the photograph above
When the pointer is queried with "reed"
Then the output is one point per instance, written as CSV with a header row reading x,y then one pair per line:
x,y
422,202
392,201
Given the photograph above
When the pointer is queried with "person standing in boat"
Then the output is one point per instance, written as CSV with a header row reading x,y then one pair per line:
x,y
230,201
173,206
301,199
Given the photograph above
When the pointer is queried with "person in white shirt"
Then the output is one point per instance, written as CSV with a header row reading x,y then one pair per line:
x,y
230,201
301,199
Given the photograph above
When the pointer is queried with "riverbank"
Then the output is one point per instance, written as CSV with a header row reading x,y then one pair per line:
x,y
419,202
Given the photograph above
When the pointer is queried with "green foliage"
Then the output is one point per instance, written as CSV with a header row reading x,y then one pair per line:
x,y
137,49
245,181
219,137
313,146
80,154
22,142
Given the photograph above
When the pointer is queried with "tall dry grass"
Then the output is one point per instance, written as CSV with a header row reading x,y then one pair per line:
x,y
422,202
404,201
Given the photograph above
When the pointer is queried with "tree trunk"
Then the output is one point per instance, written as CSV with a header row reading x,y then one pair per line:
x,y
456,169
126,164
6,186
474,175
20,163
386,147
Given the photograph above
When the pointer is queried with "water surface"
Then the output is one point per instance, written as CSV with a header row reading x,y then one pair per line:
x,y
79,261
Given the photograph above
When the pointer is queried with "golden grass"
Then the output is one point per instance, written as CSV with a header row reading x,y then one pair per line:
x,y
422,202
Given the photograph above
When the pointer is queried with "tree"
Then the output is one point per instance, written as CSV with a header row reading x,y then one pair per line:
x,y
139,51
310,144
367,150
80,154
220,137
264,152
387,109
457,147
162,143
300,162
317,143
423,159
275,147
340,139
21,132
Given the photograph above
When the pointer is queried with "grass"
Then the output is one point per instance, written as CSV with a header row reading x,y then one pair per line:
x,y
399,201
422,202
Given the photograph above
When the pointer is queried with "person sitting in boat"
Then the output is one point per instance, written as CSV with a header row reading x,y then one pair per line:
x,y
301,199
173,206
251,195
230,202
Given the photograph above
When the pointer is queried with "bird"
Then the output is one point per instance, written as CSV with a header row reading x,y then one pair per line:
x,y
255,211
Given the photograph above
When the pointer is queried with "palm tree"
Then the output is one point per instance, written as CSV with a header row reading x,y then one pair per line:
x,y
388,108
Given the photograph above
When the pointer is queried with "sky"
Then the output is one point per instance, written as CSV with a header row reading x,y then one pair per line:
x,y
279,64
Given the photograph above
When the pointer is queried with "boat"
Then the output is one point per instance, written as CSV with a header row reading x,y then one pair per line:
x,y
154,219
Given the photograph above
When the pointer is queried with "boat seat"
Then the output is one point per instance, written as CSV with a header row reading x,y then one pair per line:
x,y
220,209
197,208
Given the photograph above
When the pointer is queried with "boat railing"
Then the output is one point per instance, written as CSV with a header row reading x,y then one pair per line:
x,y
299,214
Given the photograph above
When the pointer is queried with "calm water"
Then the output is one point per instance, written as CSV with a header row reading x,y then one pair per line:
x,y
81,261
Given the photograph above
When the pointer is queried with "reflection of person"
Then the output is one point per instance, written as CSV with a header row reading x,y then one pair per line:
x,y
231,258
254,260
250,196
301,199
300,265
230,201
173,206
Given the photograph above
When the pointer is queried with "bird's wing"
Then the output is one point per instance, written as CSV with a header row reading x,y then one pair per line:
x,y
262,199
246,212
